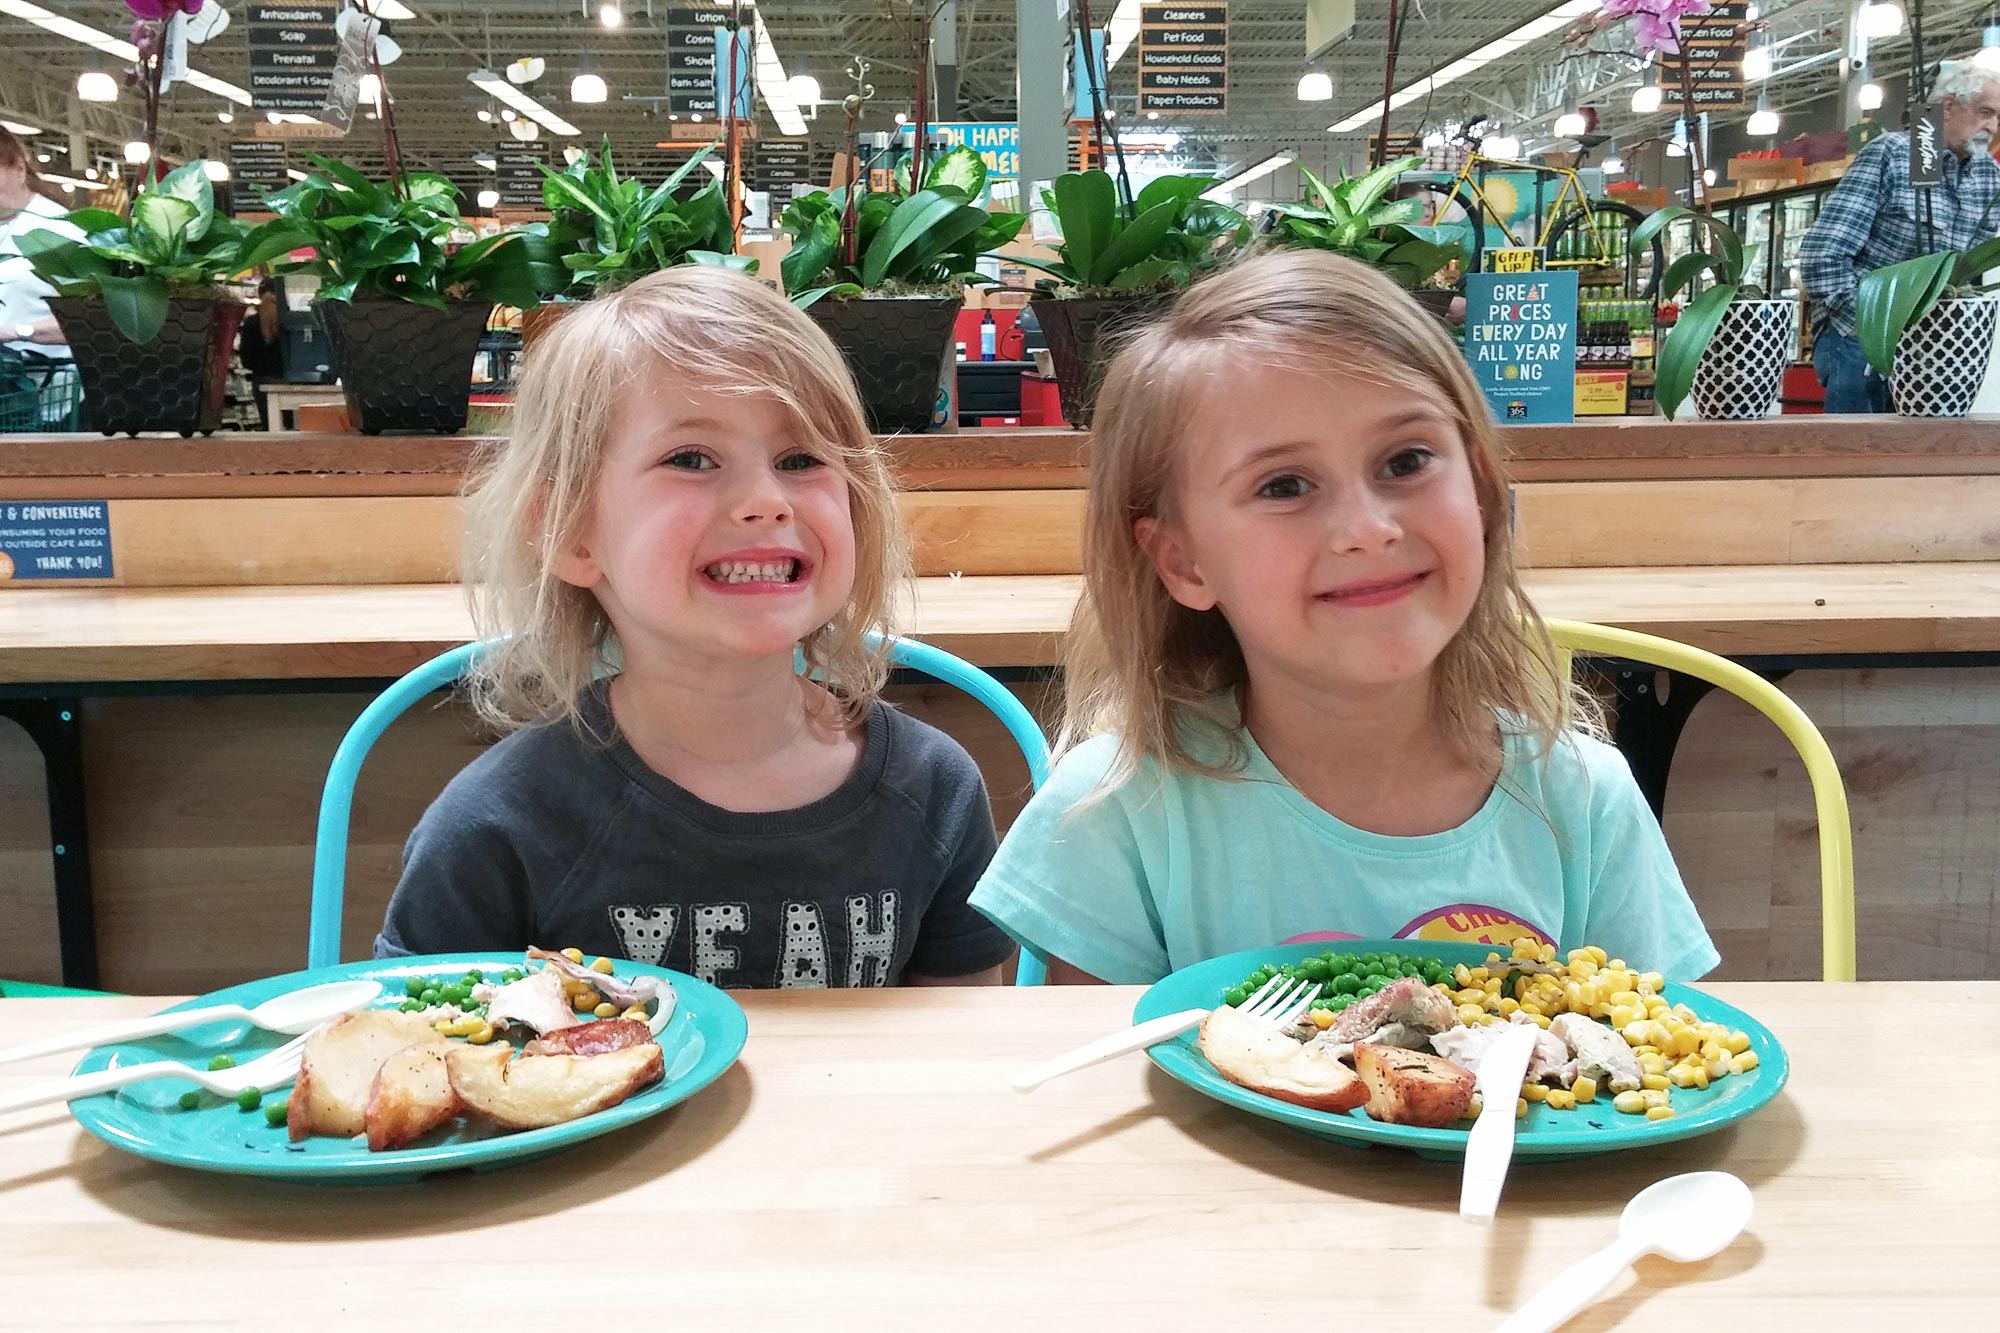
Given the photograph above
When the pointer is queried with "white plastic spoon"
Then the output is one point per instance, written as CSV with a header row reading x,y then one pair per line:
x,y
1685,1218
291,1013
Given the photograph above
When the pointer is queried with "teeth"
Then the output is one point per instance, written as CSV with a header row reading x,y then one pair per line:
x,y
741,571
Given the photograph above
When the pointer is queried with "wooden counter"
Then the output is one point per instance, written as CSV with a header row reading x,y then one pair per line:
x,y
865,1166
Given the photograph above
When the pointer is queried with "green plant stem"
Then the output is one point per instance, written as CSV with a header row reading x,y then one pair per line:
x,y
158,70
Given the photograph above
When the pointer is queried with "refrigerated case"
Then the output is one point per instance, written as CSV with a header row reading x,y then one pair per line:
x,y
1775,223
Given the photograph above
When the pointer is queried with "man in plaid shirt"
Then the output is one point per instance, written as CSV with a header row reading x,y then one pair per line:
x,y
1871,221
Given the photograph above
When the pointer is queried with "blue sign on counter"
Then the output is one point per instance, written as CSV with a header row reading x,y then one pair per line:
x,y
55,539
1520,336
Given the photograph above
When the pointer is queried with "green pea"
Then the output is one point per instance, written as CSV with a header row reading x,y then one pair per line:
x,y
190,1100
221,1062
1316,969
1340,1002
1347,983
430,995
249,1099
276,1114
414,986
512,974
474,977
410,1006
1235,996
1344,962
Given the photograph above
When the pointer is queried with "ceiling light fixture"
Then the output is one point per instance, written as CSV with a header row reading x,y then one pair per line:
x,y
1247,176
588,88
1569,124
72,183
25,131
116,47
1614,165
489,198
496,87
1869,97
226,117
214,170
1764,120
1880,20
1646,99
1555,20
1502,146
94,85
138,152
1315,85
610,15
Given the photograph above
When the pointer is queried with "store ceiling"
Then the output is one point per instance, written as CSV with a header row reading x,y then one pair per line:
x,y
436,108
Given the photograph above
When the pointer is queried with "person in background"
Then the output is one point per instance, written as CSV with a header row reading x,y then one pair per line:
x,y
27,203
1871,220
1307,697
259,345
689,506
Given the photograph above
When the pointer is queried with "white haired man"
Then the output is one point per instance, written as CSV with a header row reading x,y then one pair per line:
x,y
1871,221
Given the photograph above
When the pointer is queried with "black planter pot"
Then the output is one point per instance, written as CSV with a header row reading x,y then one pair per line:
x,y
896,347
404,367
179,381
1082,333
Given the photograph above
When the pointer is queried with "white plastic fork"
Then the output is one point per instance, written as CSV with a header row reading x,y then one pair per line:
x,y
274,1069
1281,1002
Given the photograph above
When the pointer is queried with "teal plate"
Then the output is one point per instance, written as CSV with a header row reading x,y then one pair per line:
x,y
1593,1127
700,1041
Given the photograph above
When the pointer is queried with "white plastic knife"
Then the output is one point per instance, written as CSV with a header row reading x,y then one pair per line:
x,y
1490,1146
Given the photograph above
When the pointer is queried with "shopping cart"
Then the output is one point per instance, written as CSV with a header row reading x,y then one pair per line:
x,y
37,393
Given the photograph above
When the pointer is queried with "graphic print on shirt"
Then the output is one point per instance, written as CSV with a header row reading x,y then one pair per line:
x,y
1460,923
646,931
711,921
871,942
803,961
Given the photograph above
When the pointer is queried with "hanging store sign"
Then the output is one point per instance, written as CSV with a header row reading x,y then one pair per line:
x,y
293,52
780,164
1184,58
1713,46
1927,146
517,173
255,170
691,59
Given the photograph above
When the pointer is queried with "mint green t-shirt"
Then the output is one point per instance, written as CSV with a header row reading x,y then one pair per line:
x,y
1170,868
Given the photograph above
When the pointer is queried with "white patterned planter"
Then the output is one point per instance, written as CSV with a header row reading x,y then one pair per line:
x,y
1942,359
1744,365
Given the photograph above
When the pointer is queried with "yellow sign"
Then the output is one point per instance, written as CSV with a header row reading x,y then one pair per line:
x,y
1512,259
1601,393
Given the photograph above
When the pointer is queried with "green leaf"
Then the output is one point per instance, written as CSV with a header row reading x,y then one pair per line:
x,y
1655,223
276,237
1683,271
1169,189
811,252
1973,265
1359,194
368,196
843,289
1891,298
1145,273
1140,239
921,213
960,168
716,259
1087,208
559,191
162,222
1397,212
191,183
1681,353
138,306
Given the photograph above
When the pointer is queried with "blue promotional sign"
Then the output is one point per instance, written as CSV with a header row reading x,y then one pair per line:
x,y
998,143
55,539
736,44
1079,77
1520,336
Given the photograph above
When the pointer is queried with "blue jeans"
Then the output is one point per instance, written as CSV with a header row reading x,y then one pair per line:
x,y
1851,383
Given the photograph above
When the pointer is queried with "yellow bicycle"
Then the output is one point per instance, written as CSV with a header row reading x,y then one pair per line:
x,y
1575,231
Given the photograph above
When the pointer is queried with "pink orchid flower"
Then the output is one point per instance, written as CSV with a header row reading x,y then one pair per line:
x,y
163,9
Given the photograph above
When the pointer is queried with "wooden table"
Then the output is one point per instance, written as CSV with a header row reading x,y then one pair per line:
x,y
865,1166
283,401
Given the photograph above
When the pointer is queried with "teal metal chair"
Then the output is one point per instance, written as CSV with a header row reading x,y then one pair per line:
x,y
336,803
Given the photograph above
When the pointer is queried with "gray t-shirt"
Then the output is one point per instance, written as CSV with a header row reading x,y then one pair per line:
x,y
559,840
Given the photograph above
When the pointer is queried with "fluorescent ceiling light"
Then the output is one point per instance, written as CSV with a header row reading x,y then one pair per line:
x,y
609,14
72,183
500,90
1243,178
771,80
489,198
1614,165
25,131
394,11
1870,96
137,152
805,89
295,173
117,47
485,160
1569,124
1123,31
1553,21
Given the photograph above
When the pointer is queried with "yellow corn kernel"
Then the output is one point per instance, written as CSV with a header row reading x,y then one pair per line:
x,y
1584,1089
480,1035
1743,1063
1573,998
1547,953
1652,979
1321,1018
1658,1082
1686,1014
1686,1041
1539,1020
584,1003
1470,995
1474,1107
1655,1096
638,1011
1630,1103
1535,1092
1616,964
1597,952
602,967
1718,1067
1561,1100
1520,1108
1575,955
1469,1014
1622,1016
1527,947
1626,997
1639,1033
443,1028
1700,1076
610,1010
1492,986
574,955
1508,1005
1462,975
1657,1009
1652,1062
1680,1076
1736,1043
1712,1049
1659,1113
1583,969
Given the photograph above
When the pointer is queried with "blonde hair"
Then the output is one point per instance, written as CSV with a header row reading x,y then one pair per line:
x,y
1149,669
529,497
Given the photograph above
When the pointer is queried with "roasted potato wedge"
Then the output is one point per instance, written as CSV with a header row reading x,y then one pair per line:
x,y
539,1090
1413,1087
599,1038
1252,1053
337,1073
412,1096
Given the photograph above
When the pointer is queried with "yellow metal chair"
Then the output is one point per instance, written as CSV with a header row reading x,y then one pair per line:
x,y
1836,833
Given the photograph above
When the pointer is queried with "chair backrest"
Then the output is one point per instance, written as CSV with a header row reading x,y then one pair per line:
x,y
1836,832
337,800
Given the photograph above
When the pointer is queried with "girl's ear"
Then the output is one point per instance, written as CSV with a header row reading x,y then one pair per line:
x,y
577,567
1166,546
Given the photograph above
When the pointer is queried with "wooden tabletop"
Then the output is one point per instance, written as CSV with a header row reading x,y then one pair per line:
x,y
53,634
866,1166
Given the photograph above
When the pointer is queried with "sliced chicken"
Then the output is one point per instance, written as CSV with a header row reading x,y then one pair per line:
x,y
536,1001
1407,1001
1549,1062
1601,1054
622,993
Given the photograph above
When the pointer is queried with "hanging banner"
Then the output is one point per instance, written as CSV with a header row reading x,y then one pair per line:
x,y
255,170
738,78
1927,146
1520,336
293,51
1080,75
691,59
1713,45
1184,58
